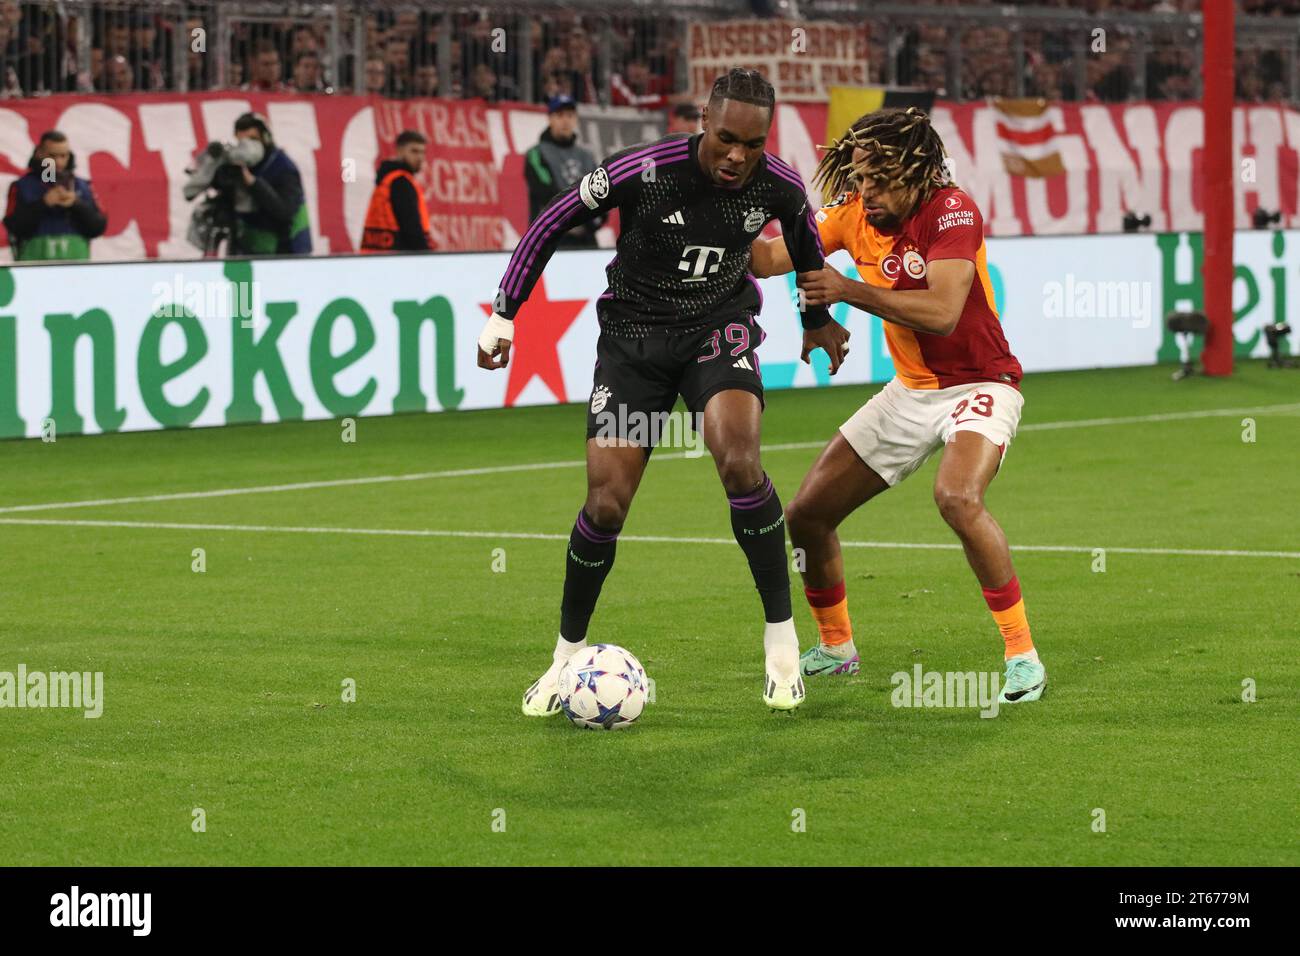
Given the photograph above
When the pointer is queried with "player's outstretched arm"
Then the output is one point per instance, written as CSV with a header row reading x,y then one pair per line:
x,y
936,310
769,257
590,199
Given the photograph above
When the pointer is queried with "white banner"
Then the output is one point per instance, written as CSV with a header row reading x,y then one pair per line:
x,y
130,346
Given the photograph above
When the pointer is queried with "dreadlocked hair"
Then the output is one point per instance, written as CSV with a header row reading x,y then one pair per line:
x,y
902,151
745,86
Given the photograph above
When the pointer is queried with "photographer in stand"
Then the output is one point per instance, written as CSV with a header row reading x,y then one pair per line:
x,y
255,200
52,213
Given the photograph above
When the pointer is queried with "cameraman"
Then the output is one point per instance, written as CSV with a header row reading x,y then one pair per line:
x,y
52,214
259,204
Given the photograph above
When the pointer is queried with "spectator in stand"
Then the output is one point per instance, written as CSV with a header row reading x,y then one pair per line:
x,y
1169,74
580,78
68,46
9,84
486,84
555,164
118,75
267,70
398,219
407,26
477,47
426,80
457,64
306,73
550,81
1108,82
40,48
397,58
92,80
637,86
684,118
52,213
376,75
302,40
148,59
1250,87
483,84
117,38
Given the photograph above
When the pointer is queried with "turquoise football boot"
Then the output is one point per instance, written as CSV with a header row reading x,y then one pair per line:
x,y
1024,681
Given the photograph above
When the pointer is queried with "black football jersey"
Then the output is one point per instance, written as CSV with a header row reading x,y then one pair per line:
x,y
683,245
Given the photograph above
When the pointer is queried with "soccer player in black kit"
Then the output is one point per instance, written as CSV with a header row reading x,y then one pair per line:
x,y
678,317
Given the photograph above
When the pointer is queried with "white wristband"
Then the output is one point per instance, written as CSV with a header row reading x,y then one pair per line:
x,y
497,329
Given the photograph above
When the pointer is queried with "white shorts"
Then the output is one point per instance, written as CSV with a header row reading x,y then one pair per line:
x,y
901,427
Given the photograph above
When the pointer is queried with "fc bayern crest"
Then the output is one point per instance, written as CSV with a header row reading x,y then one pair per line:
x,y
754,220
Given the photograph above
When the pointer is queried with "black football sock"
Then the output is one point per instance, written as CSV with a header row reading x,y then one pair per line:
x,y
758,522
589,557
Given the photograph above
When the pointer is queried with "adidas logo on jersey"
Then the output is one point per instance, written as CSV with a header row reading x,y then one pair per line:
x,y
742,362
676,219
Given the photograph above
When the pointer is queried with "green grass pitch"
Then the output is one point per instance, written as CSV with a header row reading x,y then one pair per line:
x,y
223,688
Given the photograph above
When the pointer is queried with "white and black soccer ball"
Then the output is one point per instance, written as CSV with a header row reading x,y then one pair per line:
x,y
603,687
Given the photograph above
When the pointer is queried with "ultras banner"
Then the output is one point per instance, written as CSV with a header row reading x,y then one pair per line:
x,y
1033,168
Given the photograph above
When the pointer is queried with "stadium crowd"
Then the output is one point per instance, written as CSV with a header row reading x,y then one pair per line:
x,y
133,48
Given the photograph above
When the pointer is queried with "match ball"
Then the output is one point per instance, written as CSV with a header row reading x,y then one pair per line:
x,y
603,687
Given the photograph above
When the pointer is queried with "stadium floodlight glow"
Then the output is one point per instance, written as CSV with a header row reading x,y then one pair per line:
x,y
1135,223
1186,326
1275,334
1263,219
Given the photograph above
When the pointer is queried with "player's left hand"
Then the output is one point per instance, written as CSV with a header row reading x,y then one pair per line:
x,y
825,287
832,337
494,342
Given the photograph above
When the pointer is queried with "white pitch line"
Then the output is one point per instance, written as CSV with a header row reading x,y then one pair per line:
x,y
578,463
636,538
1166,417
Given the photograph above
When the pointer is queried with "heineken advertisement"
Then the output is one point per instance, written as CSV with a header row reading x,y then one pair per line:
x,y
91,348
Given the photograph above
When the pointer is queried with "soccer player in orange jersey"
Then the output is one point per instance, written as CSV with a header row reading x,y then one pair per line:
x,y
918,241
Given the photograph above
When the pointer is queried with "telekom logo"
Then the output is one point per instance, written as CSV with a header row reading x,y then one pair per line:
x,y
703,255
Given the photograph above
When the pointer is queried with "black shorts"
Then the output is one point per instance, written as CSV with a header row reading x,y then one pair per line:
x,y
637,380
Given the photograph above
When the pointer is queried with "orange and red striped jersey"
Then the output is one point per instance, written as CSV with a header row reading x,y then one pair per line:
x,y
947,226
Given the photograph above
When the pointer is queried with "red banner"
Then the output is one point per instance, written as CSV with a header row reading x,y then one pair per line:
x,y
802,60
1073,168
1033,169
460,181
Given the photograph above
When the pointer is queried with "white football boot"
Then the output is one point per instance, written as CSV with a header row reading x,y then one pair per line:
x,y
783,688
542,699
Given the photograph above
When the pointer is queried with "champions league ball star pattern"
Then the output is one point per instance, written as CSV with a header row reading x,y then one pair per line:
x,y
603,687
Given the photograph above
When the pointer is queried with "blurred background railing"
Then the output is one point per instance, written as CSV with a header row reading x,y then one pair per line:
x,y
629,53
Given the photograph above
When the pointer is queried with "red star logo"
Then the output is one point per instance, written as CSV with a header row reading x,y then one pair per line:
x,y
541,324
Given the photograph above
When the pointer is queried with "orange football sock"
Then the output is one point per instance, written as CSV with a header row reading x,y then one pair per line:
x,y
830,609
1008,609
